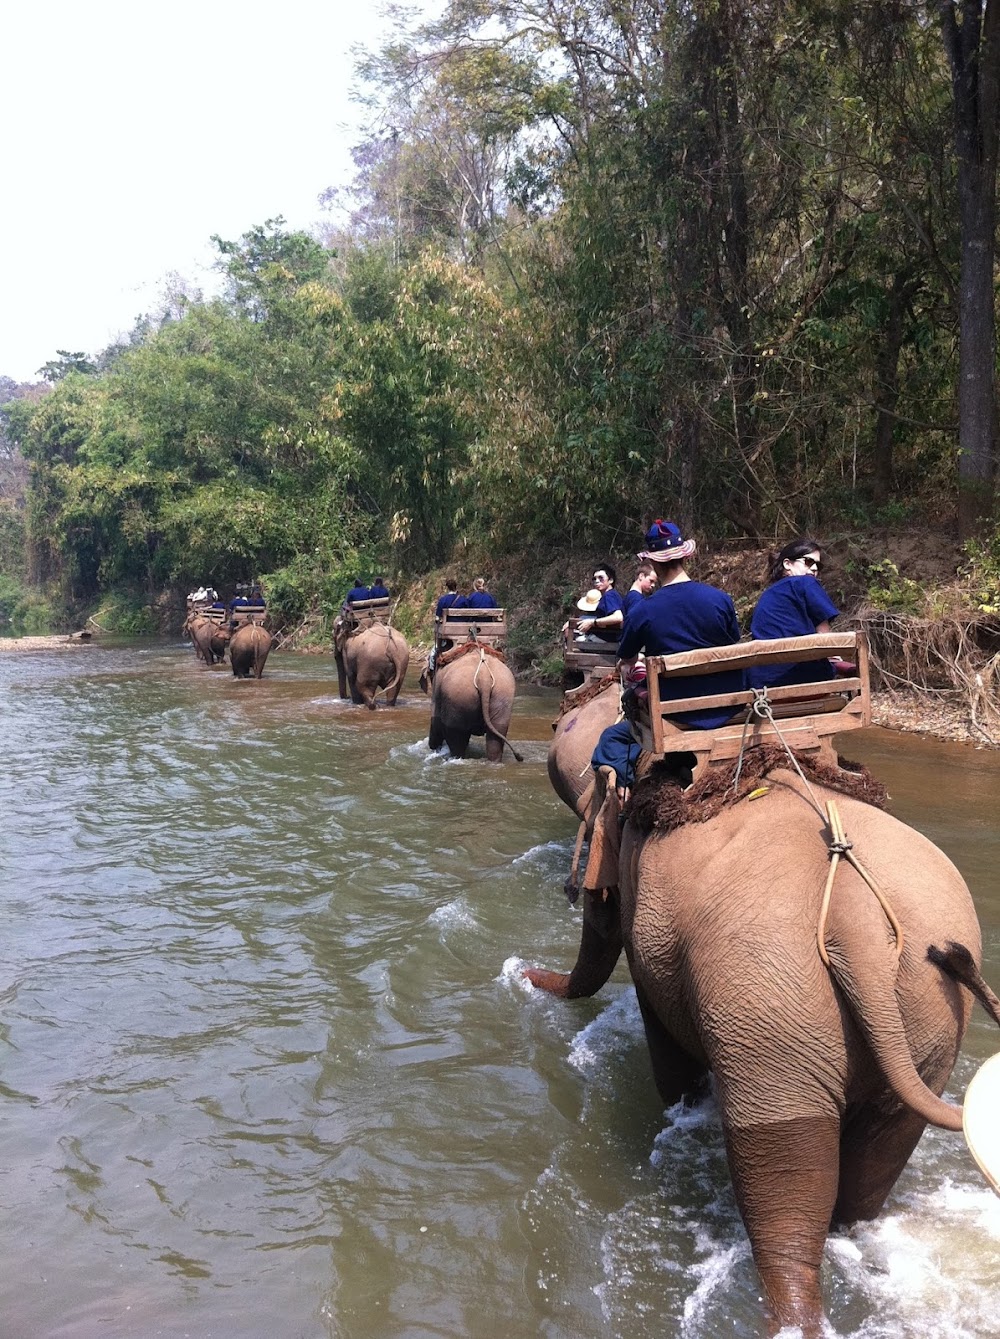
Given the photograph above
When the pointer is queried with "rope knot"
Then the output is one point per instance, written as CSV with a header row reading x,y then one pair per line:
x,y
840,847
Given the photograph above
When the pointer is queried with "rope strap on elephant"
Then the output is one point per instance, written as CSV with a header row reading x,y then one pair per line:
x,y
659,801
464,649
840,847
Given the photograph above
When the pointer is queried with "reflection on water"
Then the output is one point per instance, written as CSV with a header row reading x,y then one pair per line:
x,y
269,1068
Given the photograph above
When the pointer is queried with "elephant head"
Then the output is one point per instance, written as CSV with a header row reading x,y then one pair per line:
x,y
826,1072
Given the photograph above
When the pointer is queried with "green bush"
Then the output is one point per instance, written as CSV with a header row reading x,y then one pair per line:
x,y
126,614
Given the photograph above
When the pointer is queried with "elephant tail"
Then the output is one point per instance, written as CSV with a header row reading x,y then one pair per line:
x,y
485,687
864,968
398,671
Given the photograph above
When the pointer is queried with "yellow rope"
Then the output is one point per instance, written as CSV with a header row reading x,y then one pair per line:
x,y
840,846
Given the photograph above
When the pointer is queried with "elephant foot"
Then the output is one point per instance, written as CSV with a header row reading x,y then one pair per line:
x,y
556,983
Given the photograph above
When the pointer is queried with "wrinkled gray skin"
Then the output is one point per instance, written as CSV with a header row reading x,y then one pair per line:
x,y
469,698
373,659
825,1077
248,650
201,630
573,744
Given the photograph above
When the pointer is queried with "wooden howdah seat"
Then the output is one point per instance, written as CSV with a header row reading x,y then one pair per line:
x,y
807,715
586,661
365,613
488,626
207,609
247,613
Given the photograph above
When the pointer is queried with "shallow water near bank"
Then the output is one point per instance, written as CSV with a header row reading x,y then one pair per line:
x,y
268,1067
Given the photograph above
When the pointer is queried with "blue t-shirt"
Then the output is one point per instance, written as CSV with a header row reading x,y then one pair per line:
x,y
791,607
479,599
632,597
357,593
447,601
609,603
686,616
378,593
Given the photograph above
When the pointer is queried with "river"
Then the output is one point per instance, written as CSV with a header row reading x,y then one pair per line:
x,y
268,1068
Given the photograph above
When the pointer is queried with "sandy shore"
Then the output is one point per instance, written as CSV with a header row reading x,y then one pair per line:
x,y
62,642
939,715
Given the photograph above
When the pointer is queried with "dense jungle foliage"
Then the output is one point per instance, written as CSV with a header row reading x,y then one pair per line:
x,y
601,261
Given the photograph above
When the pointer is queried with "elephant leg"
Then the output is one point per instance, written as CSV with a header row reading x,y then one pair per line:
x,y
357,697
494,748
600,949
785,1177
874,1149
457,741
676,1074
436,737
341,675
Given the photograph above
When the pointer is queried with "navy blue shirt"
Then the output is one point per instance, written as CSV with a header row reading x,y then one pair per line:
x,y
609,603
451,598
686,616
791,607
479,599
378,592
357,593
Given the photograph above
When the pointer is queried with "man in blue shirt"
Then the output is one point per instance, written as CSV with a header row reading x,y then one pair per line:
x,y
643,586
606,625
448,600
682,615
357,592
378,591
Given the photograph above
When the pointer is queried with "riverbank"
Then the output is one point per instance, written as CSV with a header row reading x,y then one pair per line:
x,y
58,642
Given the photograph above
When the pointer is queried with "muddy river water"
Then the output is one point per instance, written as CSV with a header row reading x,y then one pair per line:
x,y
267,1067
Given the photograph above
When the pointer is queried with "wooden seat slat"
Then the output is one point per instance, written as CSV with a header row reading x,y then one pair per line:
x,y
811,713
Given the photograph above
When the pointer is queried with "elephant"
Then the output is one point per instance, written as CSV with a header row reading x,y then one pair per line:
x,y
472,693
370,660
200,631
825,1075
218,641
248,650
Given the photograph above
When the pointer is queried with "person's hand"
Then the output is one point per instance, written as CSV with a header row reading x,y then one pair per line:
x,y
585,625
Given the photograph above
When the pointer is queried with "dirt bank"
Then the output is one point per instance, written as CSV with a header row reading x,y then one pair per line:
x,y
61,642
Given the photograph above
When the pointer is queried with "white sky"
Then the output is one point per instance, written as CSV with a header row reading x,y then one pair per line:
x,y
134,129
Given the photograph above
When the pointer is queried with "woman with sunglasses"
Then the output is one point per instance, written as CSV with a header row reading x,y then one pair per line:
x,y
793,605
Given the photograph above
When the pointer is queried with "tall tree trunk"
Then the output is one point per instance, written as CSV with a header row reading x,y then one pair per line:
x,y
973,47
887,384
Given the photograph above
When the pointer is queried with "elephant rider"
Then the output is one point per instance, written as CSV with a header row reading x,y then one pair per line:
x,y
479,597
606,625
378,590
643,585
449,600
681,615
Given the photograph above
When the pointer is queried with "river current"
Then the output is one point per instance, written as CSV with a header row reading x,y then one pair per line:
x,y
268,1067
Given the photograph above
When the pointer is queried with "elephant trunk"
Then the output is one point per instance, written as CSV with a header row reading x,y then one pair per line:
x,y
485,692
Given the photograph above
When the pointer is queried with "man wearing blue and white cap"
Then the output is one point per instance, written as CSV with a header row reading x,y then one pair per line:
x,y
681,615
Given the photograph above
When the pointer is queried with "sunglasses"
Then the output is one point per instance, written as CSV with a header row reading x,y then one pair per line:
x,y
815,563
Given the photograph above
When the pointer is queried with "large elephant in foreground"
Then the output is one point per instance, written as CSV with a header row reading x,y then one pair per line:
x,y
825,1074
472,693
249,647
371,660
